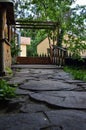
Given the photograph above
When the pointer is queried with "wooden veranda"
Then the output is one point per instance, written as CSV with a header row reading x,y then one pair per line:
x,y
6,21
8,24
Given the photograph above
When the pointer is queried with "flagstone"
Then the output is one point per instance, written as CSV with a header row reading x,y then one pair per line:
x,y
44,85
64,99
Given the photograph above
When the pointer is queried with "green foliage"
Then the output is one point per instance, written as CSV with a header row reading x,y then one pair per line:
x,y
6,91
36,36
70,21
79,74
53,10
9,71
14,48
46,10
76,31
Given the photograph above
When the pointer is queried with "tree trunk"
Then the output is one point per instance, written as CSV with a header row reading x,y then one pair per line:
x,y
60,37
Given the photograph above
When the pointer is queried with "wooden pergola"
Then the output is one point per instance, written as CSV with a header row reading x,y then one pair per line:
x,y
57,54
36,25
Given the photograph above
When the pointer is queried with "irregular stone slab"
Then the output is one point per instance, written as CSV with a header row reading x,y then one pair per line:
x,y
52,127
19,99
82,84
21,92
74,81
67,119
43,85
64,74
58,78
65,99
23,121
42,71
15,104
36,66
17,80
30,108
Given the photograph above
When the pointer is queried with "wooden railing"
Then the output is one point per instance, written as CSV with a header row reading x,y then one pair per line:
x,y
57,55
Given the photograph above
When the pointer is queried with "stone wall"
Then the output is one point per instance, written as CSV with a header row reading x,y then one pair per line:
x,y
7,54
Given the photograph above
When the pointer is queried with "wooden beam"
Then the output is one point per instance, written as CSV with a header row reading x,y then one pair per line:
x,y
41,22
35,24
31,24
32,27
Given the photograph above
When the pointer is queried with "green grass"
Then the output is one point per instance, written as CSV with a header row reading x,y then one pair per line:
x,y
78,74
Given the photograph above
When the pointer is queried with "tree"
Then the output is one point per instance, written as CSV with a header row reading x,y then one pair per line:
x,y
76,31
69,21
53,10
14,50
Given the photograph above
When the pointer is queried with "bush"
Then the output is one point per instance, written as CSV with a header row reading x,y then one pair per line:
x,y
6,91
9,71
79,74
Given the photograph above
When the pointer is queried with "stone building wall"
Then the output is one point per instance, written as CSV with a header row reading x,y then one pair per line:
x,y
7,55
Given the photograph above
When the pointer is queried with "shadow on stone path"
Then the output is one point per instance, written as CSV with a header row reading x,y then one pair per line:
x,y
47,99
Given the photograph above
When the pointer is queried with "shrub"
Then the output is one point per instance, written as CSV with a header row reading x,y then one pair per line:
x,y
79,74
6,91
9,71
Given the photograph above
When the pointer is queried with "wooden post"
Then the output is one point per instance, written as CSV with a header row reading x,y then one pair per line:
x,y
9,33
2,25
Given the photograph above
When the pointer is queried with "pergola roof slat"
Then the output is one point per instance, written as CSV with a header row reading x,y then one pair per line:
x,y
31,27
35,24
30,21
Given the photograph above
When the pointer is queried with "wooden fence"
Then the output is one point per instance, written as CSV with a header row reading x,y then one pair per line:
x,y
33,60
58,55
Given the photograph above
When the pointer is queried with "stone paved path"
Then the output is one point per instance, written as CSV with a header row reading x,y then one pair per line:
x,y
47,99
